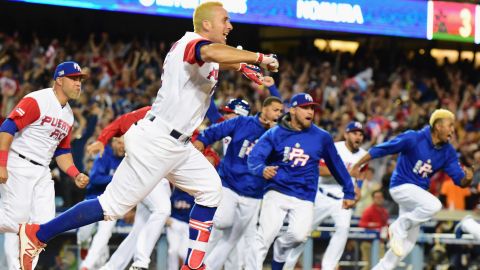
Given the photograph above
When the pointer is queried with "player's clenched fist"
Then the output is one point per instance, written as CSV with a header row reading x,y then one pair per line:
x,y
199,145
269,172
81,180
3,175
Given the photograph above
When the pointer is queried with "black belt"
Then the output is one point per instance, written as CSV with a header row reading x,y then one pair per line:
x,y
174,133
328,194
31,161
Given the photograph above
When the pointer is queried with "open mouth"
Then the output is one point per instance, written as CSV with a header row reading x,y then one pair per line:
x,y
225,35
309,118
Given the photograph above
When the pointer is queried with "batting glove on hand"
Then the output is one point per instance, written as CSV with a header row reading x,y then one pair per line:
x,y
268,61
252,72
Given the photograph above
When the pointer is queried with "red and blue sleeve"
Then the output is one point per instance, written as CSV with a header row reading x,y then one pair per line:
x,y
192,53
25,113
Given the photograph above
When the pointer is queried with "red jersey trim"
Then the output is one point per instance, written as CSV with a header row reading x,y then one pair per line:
x,y
25,113
189,54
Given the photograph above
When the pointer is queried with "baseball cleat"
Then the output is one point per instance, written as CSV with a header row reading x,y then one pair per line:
x,y
29,244
458,228
396,243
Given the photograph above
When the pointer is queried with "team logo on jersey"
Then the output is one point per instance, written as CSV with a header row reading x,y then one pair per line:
x,y
247,147
213,75
295,154
61,127
423,168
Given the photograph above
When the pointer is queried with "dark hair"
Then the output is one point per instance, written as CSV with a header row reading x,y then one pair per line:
x,y
376,191
270,100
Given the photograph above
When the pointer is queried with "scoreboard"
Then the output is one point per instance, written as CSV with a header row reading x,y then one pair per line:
x,y
453,21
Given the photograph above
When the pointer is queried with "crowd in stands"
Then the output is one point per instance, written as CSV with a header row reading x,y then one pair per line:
x,y
388,91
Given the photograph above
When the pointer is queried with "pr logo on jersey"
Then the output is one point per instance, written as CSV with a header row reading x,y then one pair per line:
x,y
295,154
247,147
423,168
213,75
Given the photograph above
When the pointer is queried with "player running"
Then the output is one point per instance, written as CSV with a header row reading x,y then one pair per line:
x,y
37,130
328,201
287,156
158,146
421,154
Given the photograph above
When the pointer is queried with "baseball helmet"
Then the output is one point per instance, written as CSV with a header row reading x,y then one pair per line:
x,y
237,106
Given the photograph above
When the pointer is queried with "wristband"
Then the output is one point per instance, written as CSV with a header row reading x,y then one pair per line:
x,y
3,158
259,58
72,171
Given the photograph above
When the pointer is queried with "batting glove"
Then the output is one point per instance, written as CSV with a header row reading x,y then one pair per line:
x,y
268,61
252,72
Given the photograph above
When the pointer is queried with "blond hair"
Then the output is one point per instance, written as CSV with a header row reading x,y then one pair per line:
x,y
440,114
203,12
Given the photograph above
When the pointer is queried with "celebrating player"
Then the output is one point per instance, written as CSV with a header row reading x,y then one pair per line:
x,y
328,202
242,191
421,154
37,130
158,146
287,156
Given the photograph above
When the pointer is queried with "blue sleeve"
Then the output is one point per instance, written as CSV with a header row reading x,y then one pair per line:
x,y
453,168
198,46
212,113
100,173
61,151
219,131
395,145
9,126
337,168
259,154
274,91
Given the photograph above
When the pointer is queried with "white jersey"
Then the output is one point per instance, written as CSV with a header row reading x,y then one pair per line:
x,y
329,184
187,85
43,126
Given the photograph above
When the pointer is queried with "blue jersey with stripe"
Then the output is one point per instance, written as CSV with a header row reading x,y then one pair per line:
x,y
182,204
419,158
297,155
102,172
233,169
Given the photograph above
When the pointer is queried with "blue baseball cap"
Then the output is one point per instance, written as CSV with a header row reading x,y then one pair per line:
x,y
301,100
354,126
68,69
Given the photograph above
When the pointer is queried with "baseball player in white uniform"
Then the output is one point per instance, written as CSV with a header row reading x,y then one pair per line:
x,y
328,201
37,130
159,145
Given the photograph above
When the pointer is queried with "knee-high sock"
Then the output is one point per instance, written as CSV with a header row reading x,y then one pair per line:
x,y
81,214
200,227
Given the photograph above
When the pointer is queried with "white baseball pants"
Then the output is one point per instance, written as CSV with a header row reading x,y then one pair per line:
x,y
177,237
275,207
416,206
152,154
150,218
27,196
99,247
326,207
232,218
469,225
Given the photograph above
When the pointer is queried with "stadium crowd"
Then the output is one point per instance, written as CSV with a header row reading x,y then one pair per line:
x,y
388,91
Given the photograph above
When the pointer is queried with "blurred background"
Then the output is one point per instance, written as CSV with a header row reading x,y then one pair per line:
x,y
387,64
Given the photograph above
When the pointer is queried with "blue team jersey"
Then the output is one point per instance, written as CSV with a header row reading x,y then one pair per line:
x,y
419,158
233,169
102,173
297,155
182,204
